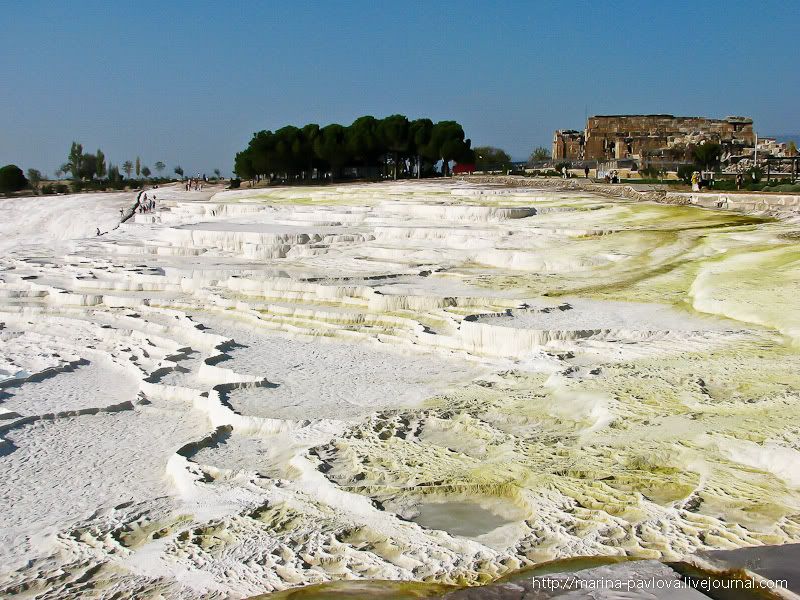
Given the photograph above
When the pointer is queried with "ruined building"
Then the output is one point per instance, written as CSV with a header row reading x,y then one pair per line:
x,y
609,137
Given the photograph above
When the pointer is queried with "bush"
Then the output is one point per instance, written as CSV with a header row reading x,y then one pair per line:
x,y
685,172
99,185
645,180
235,183
77,186
706,155
560,166
725,185
61,188
650,173
786,187
754,175
12,179
48,189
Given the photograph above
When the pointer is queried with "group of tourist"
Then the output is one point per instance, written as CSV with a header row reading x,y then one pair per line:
x,y
146,204
195,183
611,177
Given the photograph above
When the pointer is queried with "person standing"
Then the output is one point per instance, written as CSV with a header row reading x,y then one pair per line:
x,y
586,172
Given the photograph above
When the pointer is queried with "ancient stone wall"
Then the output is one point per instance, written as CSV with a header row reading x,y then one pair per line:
x,y
568,144
627,136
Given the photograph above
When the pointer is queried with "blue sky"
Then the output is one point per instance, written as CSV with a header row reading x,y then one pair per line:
x,y
189,82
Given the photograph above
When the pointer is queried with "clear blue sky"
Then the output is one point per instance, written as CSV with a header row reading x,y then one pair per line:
x,y
189,82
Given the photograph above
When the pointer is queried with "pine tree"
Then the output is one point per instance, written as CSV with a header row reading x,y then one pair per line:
x,y
100,164
74,163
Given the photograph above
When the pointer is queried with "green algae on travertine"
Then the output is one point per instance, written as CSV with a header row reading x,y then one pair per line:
x,y
560,418
674,423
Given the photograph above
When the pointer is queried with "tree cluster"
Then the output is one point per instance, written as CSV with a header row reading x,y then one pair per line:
x,y
12,179
370,146
707,155
489,158
87,171
84,166
34,179
539,154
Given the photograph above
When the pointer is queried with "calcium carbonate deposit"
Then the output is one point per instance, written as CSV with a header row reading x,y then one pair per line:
x,y
250,390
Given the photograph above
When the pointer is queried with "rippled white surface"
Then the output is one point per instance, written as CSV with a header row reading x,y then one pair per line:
x,y
254,389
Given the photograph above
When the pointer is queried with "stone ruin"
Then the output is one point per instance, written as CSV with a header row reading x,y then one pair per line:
x,y
650,138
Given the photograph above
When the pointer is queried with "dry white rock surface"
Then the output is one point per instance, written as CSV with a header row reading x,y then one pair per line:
x,y
255,389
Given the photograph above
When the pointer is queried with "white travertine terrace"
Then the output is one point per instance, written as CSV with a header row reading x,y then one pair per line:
x,y
254,389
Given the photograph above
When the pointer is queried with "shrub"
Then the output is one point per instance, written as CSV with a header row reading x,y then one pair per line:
x,y
754,175
539,154
77,186
707,155
12,179
61,188
34,178
685,172
640,180
786,187
724,185
650,173
48,189
235,183
100,185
